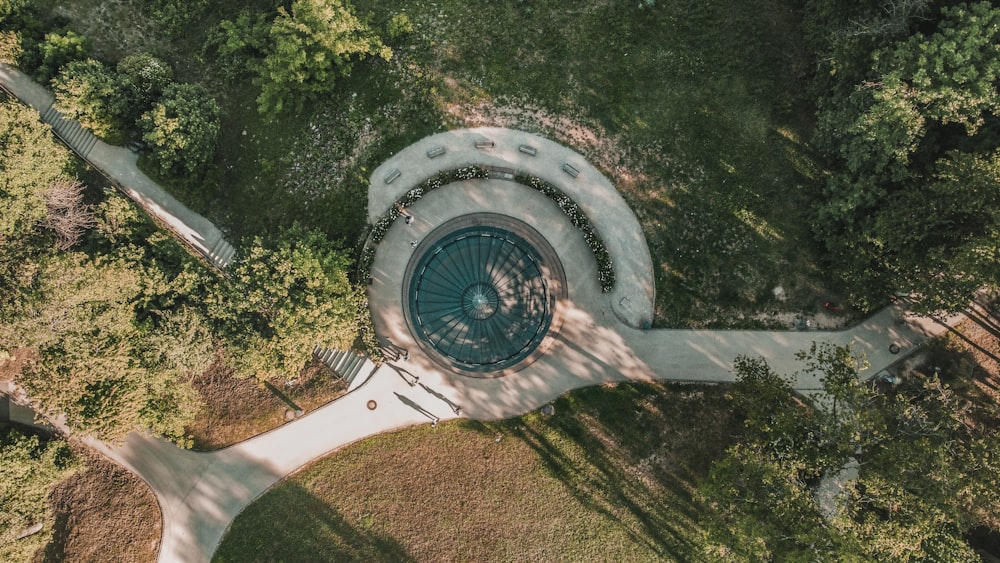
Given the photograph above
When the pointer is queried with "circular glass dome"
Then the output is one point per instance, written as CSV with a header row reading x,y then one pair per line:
x,y
479,297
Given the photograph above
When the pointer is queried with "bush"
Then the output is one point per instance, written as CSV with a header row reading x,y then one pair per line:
x,y
57,50
142,79
182,130
399,26
87,91
30,469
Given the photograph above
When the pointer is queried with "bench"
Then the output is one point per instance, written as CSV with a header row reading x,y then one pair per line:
x,y
569,169
528,150
391,176
501,172
485,144
435,152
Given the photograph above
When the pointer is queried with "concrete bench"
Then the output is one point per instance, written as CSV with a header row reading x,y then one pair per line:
x,y
392,175
435,152
528,150
501,172
569,169
485,144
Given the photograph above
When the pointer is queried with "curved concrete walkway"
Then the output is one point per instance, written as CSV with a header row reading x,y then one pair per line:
x,y
513,151
119,165
201,493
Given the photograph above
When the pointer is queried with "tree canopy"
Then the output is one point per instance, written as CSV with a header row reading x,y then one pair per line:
x,y
925,475
30,469
182,129
285,295
30,163
87,91
911,201
310,47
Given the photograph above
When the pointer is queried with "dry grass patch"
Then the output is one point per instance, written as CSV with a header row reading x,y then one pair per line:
x,y
104,513
236,409
609,477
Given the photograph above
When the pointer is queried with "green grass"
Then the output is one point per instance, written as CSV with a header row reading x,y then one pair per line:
x,y
696,112
608,477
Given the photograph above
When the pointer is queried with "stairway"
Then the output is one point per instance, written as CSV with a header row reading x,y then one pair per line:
x,y
222,253
71,132
353,368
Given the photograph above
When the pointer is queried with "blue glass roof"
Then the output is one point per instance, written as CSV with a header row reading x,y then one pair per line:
x,y
478,296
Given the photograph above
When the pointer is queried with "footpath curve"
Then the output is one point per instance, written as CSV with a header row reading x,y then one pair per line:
x,y
201,493
118,164
510,151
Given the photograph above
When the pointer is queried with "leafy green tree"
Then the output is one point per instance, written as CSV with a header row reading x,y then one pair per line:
x,y
30,469
925,115
58,50
926,476
142,79
284,296
96,365
87,91
182,129
240,43
176,15
30,162
11,8
309,49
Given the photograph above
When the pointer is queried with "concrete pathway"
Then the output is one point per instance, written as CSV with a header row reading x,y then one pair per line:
x,y
511,152
593,341
119,165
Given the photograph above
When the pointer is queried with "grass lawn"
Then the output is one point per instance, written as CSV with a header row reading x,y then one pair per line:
x,y
697,113
608,477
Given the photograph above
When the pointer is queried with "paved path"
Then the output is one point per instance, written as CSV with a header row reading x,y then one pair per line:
x,y
517,151
595,342
119,165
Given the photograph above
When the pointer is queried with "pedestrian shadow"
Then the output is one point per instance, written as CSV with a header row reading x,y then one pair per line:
x,y
406,375
413,405
391,351
455,408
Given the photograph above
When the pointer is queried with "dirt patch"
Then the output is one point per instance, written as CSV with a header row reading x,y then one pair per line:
x,y
11,363
236,409
104,513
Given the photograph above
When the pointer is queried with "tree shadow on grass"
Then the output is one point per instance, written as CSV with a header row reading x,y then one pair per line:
x,y
628,453
291,524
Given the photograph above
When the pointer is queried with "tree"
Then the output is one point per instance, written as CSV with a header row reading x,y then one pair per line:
x,y
182,129
31,467
87,91
176,15
30,162
57,50
284,296
894,218
925,477
142,79
240,43
68,216
309,49
94,364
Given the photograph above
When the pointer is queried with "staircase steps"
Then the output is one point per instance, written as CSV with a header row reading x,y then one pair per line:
x,y
71,132
353,368
222,253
